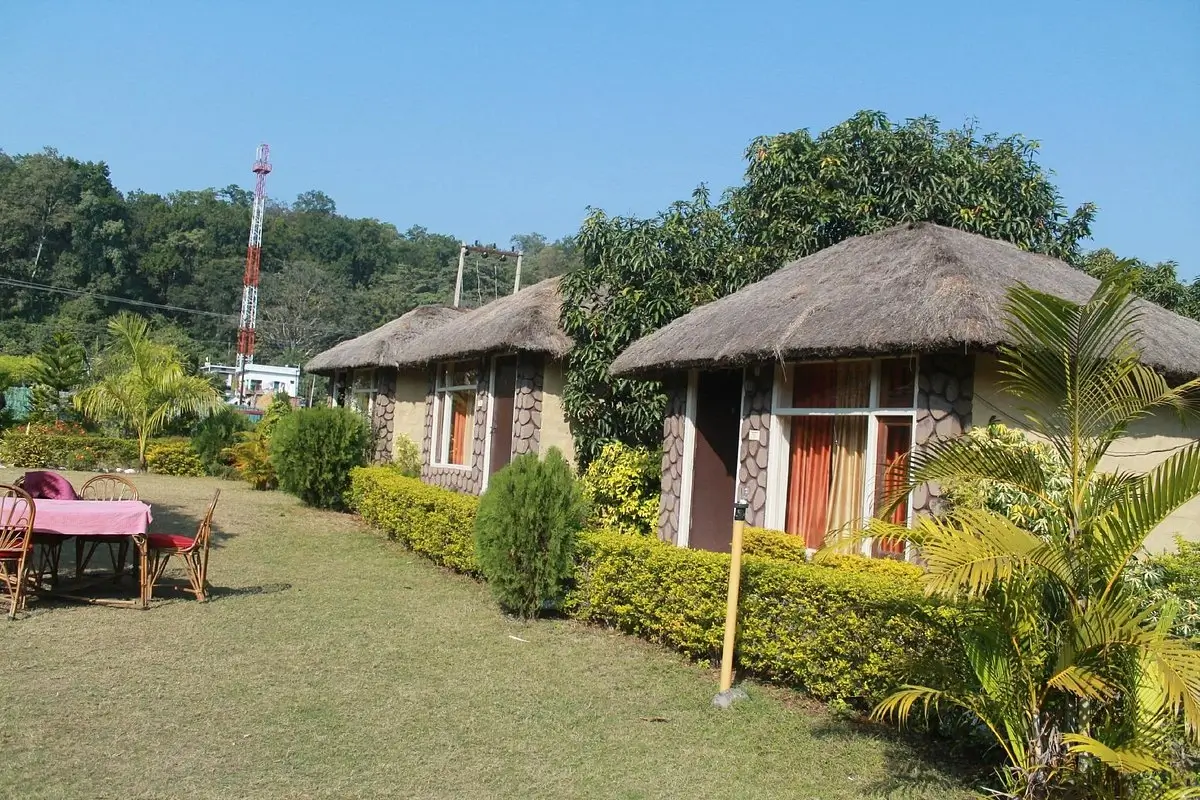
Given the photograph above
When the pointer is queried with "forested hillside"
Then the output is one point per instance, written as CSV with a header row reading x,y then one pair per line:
x,y
70,241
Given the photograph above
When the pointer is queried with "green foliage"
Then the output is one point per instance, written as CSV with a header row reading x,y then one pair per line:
x,y
250,455
789,547
1170,583
800,194
1079,680
1159,283
214,435
525,531
622,488
1037,512
16,370
143,386
406,457
59,369
833,632
174,458
280,407
313,451
434,522
42,448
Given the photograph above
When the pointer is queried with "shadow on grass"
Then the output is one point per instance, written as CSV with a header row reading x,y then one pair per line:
x,y
915,761
184,522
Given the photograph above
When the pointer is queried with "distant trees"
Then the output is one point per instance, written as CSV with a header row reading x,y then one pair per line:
x,y
63,224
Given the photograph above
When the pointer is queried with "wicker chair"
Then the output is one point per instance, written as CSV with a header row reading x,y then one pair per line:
x,y
16,537
104,487
193,551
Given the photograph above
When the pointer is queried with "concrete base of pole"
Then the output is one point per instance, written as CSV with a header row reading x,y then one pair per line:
x,y
728,697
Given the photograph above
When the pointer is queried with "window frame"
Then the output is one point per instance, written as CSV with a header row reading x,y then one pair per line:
x,y
443,410
372,389
782,413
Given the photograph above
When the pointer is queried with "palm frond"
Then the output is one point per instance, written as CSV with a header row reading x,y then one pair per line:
x,y
1127,761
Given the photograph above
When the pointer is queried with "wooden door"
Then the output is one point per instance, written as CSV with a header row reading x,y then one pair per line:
x,y
502,412
714,465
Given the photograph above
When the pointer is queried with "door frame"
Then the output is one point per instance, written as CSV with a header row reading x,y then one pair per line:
x,y
683,535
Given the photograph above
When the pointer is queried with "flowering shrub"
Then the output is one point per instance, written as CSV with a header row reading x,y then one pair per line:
x,y
623,486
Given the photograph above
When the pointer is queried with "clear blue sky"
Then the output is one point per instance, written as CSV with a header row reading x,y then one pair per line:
x,y
487,119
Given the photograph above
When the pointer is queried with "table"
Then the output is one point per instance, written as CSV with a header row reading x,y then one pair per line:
x,y
110,520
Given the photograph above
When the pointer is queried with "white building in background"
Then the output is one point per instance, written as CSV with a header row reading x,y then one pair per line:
x,y
262,380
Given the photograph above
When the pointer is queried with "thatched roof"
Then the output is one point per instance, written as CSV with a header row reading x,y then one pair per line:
x,y
386,345
527,320
913,288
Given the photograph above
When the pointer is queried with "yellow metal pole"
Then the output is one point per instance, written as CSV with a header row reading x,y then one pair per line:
x,y
731,604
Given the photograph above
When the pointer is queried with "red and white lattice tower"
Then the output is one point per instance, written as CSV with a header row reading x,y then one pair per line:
x,y
245,348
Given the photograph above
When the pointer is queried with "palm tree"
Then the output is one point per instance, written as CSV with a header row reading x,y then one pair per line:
x,y
1085,690
144,386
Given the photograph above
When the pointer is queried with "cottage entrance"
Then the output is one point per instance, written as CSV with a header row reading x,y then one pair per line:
x,y
714,464
503,399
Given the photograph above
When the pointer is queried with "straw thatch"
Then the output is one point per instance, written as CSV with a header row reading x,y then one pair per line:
x,y
913,288
527,320
386,345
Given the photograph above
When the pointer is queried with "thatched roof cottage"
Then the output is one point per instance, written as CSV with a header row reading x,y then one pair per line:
x,y
475,387
798,389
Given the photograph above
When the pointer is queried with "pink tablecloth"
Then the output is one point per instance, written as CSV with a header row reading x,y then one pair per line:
x,y
89,517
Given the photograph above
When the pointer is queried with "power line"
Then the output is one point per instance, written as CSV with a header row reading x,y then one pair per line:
x,y
41,287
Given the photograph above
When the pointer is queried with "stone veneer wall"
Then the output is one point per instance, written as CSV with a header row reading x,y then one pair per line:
x,y
527,413
460,479
672,460
383,415
756,416
945,391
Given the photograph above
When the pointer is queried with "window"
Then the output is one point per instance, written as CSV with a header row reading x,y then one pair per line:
x,y
362,392
849,426
456,386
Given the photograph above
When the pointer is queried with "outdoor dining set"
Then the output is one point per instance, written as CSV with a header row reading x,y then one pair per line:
x,y
41,512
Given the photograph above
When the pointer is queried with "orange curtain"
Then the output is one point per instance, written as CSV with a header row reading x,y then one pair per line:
x,y
895,440
808,478
459,425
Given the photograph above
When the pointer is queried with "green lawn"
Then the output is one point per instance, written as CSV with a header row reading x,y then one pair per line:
x,y
332,663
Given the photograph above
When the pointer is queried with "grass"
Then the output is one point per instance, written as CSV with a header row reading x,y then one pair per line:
x,y
333,664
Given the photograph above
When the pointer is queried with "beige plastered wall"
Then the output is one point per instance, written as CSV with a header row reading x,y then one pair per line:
x,y
1147,444
409,414
555,431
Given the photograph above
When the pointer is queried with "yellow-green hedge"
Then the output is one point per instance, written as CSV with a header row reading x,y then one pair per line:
x,y
788,547
843,632
434,522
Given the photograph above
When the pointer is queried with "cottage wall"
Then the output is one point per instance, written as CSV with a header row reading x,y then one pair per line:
x,y
408,411
945,392
383,416
555,430
1148,443
527,405
755,438
670,501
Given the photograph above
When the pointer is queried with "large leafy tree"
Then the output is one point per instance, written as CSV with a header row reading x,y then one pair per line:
x,y
1083,688
142,385
801,193
635,276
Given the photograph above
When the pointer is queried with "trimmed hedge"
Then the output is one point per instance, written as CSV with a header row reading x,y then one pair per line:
x,y
46,451
434,522
836,632
174,458
786,547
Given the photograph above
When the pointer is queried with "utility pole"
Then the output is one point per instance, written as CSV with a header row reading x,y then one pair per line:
x,y
503,255
249,315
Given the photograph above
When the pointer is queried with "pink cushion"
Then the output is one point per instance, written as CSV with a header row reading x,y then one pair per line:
x,y
163,541
48,486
